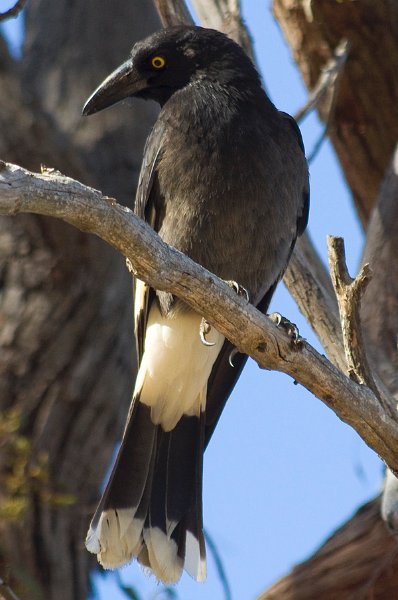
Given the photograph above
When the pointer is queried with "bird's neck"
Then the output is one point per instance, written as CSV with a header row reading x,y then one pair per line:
x,y
208,100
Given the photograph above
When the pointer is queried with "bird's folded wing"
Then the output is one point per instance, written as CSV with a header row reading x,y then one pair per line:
x,y
146,204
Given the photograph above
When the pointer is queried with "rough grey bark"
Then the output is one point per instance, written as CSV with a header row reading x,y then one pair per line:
x,y
380,307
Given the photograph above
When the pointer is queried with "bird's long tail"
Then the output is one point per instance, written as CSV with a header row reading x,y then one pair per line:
x,y
152,506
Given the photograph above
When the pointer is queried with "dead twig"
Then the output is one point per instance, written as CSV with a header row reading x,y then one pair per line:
x,y
326,84
349,293
330,92
6,592
219,566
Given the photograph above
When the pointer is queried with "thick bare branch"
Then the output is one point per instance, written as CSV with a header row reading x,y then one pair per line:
x,y
173,12
167,269
219,14
225,15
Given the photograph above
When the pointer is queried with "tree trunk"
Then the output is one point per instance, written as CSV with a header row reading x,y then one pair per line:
x,y
66,337
363,128
338,571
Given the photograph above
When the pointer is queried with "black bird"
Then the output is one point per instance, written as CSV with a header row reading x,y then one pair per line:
x,y
224,180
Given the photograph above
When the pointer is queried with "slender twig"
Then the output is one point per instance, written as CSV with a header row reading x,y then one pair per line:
x,y
6,592
128,590
332,78
219,566
327,81
13,11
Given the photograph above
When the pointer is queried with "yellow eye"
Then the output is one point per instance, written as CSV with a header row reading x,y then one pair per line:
x,y
158,62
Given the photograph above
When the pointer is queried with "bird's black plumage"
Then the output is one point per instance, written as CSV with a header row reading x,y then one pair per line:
x,y
224,180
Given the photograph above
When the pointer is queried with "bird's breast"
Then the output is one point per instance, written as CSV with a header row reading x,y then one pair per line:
x,y
227,194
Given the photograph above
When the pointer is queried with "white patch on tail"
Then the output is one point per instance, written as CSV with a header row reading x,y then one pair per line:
x,y
116,539
194,563
176,366
162,553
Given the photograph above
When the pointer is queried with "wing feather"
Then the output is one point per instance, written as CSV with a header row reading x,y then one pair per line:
x,y
224,377
146,202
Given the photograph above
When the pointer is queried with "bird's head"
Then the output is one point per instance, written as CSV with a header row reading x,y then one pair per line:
x,y
169,60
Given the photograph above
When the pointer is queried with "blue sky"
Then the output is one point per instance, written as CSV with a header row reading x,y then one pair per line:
x,y
282,471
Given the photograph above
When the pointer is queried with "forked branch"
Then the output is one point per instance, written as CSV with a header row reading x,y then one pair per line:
x,y
349,293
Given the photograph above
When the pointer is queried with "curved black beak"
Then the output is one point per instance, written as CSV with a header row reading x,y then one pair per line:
x,y
125,81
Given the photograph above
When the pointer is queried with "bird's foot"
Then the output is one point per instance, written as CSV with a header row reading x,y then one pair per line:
x,y
205,326
239,289
204,330
290,328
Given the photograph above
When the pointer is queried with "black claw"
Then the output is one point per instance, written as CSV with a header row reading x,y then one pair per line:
x,y
239,289
290,328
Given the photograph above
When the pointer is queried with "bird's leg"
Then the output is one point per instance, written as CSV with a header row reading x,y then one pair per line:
x,y
290,328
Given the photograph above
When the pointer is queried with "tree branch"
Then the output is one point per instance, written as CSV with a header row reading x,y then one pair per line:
x,y
165,268
327,82
349,293
173,13
225,15
309,283
6,592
